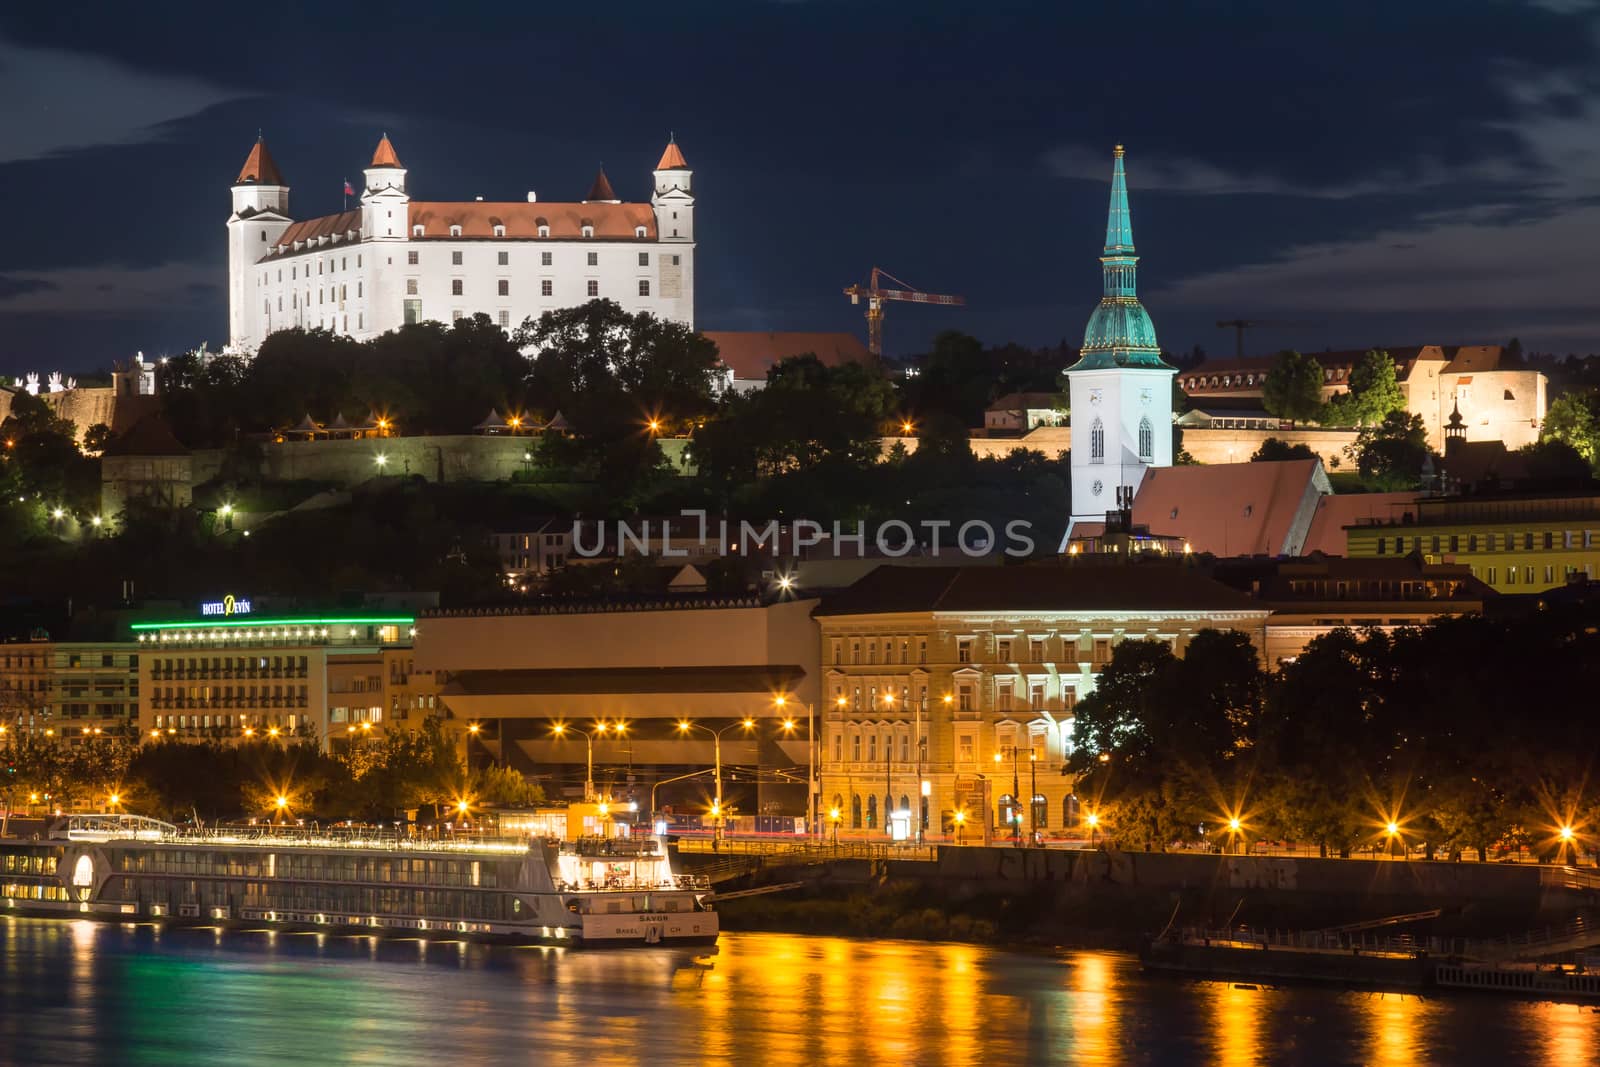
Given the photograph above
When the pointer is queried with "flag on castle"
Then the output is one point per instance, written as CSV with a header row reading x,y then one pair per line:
x,y
347,190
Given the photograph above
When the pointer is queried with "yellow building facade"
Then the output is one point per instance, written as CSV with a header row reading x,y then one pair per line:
x,y
949,691
1513,544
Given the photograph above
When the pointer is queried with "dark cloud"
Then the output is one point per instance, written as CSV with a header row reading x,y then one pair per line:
x,y
966,148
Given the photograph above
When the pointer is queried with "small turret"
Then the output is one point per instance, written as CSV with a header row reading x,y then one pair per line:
x,y
673,198
601,192
385,171
260,215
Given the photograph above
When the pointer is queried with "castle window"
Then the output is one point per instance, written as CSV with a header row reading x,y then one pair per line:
x,y
594,287
360,289
500,231
263,235
504,258
544,231
411,287
644,287
546,287
644,259
417,230
638,231
1147,440
505,319
411,258
455,286
455,258
455,231
588,231
456,315
1097,442
594,259
505,287
546,258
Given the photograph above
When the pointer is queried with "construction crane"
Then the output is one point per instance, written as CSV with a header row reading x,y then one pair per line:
x,y
875,296
1239,326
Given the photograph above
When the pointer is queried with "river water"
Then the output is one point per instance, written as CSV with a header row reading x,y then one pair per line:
x,y
85,993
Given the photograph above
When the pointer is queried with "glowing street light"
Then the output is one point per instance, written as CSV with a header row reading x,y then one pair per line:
x,y
1094,825
906,427
272,732
96,521
58,513
747,724
381,460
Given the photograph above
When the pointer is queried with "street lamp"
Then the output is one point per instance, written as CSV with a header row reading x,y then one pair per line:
x,y
961,823
1016,788
834,815
747,724
559,730
1094,824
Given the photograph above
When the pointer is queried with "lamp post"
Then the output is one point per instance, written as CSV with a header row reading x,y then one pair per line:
x,y
746,724
812,799
602,728
1016,788
1094,824
1033,791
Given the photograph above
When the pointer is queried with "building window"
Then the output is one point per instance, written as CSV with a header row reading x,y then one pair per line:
x,y
504,287
594,259
504,258
411,258
872,748
1382,545
411,287
644,287
455,258
964,697
675,261
505,318
1147,440
964,650
594,287
455,286
838,748
855,748
644,257
456,315
546,258
546,287
1036,651
1097,442
964,749
1003,692
1002,650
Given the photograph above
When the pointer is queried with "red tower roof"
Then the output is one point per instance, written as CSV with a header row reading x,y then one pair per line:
x,y
601,189
672,159
259,168
384,155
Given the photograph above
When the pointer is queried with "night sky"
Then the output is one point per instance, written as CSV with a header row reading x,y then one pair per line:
x,y
1387,173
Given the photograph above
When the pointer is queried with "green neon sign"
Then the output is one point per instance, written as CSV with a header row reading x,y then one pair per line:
x,y
191,624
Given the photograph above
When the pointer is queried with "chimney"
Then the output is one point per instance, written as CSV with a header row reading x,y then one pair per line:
x,y
533,197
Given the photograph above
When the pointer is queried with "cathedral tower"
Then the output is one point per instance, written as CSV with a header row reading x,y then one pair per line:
x,y
1120,389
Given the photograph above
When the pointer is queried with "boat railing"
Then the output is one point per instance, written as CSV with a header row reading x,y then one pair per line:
x,y
355,838
620,848
111,827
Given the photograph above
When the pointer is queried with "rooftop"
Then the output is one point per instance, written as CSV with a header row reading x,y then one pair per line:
x,y
750,354
1076,586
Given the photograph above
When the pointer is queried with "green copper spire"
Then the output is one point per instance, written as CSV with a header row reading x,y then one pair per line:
x,y
1119,224
1119,333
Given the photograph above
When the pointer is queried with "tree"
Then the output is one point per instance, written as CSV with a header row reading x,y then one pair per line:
x,y
1390,455
1572,419
1293,387
1274,449
1374,393
96,437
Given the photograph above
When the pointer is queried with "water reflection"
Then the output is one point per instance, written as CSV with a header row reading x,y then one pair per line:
x,y
81,993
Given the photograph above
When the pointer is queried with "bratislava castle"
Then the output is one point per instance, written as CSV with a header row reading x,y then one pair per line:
x,y
395,260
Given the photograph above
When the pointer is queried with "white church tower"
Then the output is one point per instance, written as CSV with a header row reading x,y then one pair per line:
x,y
1120,389
673,203
260,215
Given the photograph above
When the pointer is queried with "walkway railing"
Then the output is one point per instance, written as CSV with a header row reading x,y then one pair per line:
x,y
809,852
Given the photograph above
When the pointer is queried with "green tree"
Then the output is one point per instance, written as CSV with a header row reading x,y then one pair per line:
x,y
96,437
1274,449
1373,395
1573,419
1293,387
1390,454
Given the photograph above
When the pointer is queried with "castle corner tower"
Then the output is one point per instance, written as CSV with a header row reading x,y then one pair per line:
x,y
1120,388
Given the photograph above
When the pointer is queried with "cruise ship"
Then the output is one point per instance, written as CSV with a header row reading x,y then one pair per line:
x,y
568,889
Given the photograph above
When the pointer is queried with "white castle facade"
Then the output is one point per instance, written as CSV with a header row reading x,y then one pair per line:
x,y
394,260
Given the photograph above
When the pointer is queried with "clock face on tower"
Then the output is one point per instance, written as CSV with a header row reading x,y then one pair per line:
x,y
1097,487
1095,396
1144,396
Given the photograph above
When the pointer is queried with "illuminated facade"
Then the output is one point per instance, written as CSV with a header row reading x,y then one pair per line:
x,y
393,260
966,678
1121,390
235,678
79,690
1513,544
